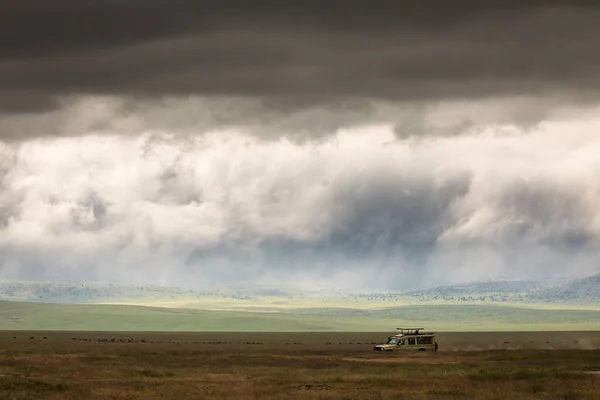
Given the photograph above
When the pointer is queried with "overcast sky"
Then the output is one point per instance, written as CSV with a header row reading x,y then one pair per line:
x,y
384,145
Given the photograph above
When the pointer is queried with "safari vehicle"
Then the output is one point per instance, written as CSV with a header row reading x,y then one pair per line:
x,y
408,339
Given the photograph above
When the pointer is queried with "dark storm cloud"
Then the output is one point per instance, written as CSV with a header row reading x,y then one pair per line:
x,y
387,225
294,54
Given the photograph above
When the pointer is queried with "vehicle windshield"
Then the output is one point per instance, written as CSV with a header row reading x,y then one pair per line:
x,y
395,340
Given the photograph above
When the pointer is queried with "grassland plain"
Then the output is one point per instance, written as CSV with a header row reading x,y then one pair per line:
x,y
95,317
295,365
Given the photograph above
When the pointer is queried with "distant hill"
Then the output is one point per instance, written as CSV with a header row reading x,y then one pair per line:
x,y
82,292
581,292
586,289
483,288
485,291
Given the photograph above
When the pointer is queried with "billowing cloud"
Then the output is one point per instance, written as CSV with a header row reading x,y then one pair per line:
x,y
193,116
361,209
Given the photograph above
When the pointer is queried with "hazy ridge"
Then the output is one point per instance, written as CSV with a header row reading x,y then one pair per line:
x,y
578,292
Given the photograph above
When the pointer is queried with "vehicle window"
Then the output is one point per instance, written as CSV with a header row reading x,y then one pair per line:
x,y
425,340
411,340
401,342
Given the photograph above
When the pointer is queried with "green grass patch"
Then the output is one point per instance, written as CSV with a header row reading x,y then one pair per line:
x,y
94,317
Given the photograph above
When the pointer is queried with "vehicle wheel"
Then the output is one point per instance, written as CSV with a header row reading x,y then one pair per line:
x,y
422,349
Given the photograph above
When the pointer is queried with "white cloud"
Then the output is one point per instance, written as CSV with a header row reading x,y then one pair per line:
x,y
226,206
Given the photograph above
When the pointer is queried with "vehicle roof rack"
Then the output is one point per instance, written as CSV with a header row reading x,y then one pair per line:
x,y
410,331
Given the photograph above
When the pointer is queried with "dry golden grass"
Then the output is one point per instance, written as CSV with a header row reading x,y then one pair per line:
x,y
289,366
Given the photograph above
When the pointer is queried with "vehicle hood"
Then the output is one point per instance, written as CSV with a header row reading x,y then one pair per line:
x,y
386,346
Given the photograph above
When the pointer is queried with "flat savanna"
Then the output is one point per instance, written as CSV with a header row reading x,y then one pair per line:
x,y
105,365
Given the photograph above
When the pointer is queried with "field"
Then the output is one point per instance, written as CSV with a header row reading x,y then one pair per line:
x,y
96,317
325,365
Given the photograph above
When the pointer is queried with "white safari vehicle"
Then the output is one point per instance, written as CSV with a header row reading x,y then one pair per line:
x,y
409,339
